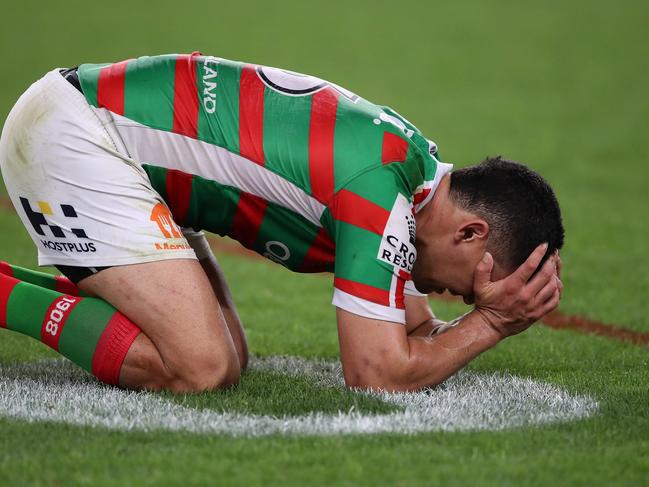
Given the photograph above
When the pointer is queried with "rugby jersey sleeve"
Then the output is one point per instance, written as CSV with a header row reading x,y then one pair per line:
x,y
375,236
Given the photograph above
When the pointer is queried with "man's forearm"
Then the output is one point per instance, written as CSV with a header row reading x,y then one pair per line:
x,y
424,329
379,354
503,308
431,360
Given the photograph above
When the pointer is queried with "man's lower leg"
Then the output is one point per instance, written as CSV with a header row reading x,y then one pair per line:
x,y
88,331
48,281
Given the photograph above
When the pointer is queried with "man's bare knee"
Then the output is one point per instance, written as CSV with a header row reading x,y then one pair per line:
x,y
205,374
184,324
144,368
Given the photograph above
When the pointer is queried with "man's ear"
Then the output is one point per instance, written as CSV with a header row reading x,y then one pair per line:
x,y
472,230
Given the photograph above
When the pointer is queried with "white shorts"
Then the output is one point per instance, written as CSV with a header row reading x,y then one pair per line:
x,y
83,201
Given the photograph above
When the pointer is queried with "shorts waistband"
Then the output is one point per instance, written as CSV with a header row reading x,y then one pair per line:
x,y
71,76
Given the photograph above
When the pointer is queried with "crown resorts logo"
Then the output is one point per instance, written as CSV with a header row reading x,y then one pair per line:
x,y
41,224
412,228
398,240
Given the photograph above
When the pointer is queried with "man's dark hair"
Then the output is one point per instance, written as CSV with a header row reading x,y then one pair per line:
x,y
517,203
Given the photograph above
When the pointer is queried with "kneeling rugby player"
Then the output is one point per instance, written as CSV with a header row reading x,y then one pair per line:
x,y
115,170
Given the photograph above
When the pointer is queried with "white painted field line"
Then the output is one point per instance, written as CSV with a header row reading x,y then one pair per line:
x,y
57,391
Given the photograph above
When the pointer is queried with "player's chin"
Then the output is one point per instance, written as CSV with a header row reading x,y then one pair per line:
x,y
426,285
428,288
467,298
421,284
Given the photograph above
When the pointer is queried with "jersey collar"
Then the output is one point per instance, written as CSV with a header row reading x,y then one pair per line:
x,y
424,193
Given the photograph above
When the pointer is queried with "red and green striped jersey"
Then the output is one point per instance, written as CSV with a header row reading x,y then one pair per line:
x,y
298,169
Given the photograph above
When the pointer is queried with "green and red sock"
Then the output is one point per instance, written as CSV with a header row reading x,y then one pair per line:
x,y
56,283
88,331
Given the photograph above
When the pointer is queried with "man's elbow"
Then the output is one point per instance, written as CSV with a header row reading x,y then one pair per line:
x,y
400,377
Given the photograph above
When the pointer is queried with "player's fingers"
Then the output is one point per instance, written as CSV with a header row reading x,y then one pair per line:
x,y
546,292
559,266
482,273
550,305
527,268
547,274
560,285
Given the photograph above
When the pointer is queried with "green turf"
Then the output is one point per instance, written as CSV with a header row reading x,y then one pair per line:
x,y
559,85
609,448
270,393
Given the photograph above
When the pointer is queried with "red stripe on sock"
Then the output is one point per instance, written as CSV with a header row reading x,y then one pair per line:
x,y
55,318
394,148
247,219
251,115
6,269
66,286
179,193
356,210
364,291
322,126
185,97
7,284
321,254
112,348
110,87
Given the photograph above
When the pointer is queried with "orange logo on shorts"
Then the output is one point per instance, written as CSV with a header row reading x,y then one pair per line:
x,y
162,216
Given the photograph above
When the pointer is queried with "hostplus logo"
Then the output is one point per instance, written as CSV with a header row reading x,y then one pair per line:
x,y
44,228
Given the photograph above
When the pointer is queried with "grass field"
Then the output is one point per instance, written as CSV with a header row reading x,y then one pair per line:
x,y
558,85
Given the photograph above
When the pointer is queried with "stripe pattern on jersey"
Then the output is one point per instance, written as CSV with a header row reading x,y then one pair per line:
x,y
251,115
394,148
222,112
324,105
265,227
248,219
185,114
168,150
110,87
351,208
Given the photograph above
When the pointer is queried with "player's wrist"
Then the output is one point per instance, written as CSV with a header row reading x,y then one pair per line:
x,y
492,322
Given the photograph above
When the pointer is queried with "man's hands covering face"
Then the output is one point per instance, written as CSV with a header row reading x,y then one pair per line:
x,y
514,303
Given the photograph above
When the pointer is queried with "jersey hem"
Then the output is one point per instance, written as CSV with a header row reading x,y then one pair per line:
x,y
367,309
410,290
